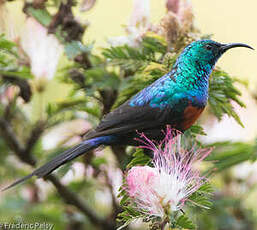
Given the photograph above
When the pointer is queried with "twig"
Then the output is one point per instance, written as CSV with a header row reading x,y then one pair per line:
x,y
71,28
9,136
25,89
120,153
69,197
35,134
108,96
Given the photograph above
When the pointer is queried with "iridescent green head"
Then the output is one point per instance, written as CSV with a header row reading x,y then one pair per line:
x,y
206,52
195,64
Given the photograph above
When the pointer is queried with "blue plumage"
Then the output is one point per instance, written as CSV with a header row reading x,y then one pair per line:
x,y
188,78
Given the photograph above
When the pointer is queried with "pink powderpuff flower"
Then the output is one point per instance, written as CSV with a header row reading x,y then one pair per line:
x,y
43,49
167,185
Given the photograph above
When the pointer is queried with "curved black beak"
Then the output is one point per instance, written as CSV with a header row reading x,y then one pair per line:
x,y
226,47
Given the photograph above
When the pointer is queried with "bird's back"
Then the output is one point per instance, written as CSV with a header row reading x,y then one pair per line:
x,y
164,102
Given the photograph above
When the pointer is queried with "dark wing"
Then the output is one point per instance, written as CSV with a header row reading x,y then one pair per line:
x,y
132,116
127,119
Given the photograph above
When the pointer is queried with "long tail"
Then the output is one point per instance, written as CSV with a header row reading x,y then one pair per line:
x,y
63,158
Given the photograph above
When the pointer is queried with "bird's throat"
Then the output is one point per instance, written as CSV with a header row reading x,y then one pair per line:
x,y
193,76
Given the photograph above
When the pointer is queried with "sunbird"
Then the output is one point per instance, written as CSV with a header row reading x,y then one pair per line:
x,y
176,99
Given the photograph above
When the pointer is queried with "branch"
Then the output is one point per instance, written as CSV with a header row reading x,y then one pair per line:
x,y
71,28
9,136
69,197
34,136
120,153
25,89
108,96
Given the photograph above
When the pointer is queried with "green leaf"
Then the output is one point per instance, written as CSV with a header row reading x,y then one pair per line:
x,y
74,48
206,189
9,62
73,105
153,45
222,92
201,197
190,136
126,57
196,129
22,72
6,44
8,54
41,15
139,158
226,154
99,79
134,58
127,216
98,161
184,222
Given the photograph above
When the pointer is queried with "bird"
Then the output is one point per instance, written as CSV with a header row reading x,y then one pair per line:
x,y
176,99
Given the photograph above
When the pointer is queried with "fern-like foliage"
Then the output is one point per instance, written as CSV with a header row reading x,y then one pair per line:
x,y
202,197
9,65
226,154
222,92
184,222
152,49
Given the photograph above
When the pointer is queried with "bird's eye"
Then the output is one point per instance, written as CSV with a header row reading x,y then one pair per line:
x,y
208,47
